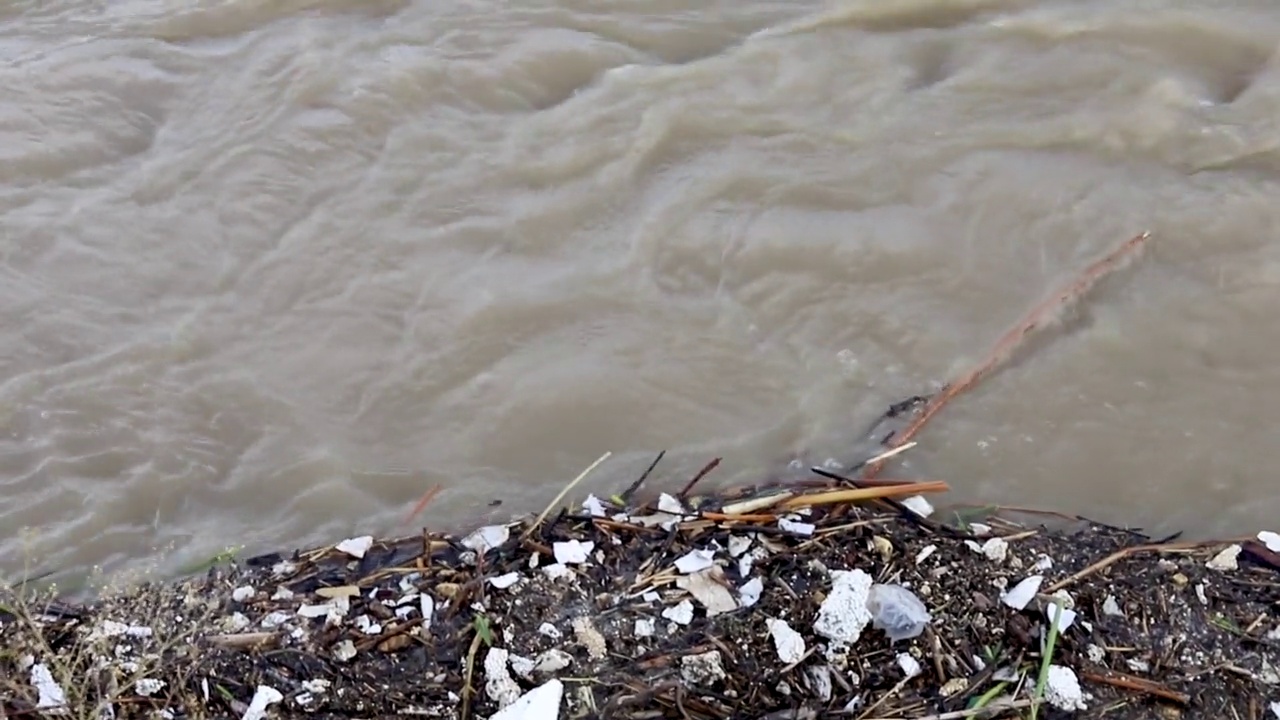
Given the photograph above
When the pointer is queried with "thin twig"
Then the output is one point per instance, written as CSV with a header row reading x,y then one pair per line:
x,y
631,490
529,531
696,478
860,494
963,714
1130,682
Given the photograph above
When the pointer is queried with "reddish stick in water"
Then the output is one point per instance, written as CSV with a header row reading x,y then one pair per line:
x,y
1039,316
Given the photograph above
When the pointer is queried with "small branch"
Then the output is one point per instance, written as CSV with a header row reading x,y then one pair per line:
x,y
697,478
1130,682
626,494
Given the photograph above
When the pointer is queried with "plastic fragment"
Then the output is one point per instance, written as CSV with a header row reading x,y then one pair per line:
x,y
897,611
1020,595
356,547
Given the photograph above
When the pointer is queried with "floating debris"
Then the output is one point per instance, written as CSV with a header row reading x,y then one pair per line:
x,y
487,538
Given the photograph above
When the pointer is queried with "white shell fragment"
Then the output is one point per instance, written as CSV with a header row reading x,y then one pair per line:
x,y
695,561
1020,595
51,693
572,552
356,547
1225,560
593,506
910,666
1065,616
796,527
487,538
739,544
262,697
502,582
749,593
925,552
1063,689
704,588
428,606
918,505
540,703
844,613
668,504
788,642
680,614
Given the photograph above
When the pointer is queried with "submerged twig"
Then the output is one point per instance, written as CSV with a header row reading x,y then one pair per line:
x,y
560,496
684,492
633,487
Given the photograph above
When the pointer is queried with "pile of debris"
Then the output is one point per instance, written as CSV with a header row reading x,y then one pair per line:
x,y
765,603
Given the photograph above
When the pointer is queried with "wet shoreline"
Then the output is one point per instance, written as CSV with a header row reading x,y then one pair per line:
x,y
765,602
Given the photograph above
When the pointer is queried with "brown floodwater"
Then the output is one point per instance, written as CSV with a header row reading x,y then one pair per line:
x,y
269,270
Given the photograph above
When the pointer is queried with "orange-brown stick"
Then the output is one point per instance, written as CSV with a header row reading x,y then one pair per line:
x,y
1009,342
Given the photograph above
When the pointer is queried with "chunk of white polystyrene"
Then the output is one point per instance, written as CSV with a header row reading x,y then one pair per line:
x,y
786,641
844,614
572,552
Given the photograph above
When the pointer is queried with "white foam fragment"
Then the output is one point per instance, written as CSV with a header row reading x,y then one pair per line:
x,y
644,627
796,527
593,506
1270,539
910,666
712,594
996,549
550,631
702,669
51,694
918,505
498,683
368,625
242,593
1225,560
925,552
750,592
111,629
979,529
264,696
356,547
739,544
502,582
1043,563
668,504
1020,595
572,552
522,666
146,687
1063,689
820,682
788,642
1111,607
282,593
680,614
651,597
844,614
540,703
1064,615
487,538
695,561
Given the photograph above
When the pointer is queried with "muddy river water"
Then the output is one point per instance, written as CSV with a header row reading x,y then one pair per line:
x,y
269,269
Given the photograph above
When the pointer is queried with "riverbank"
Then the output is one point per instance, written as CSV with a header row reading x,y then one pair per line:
x,y
770,602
